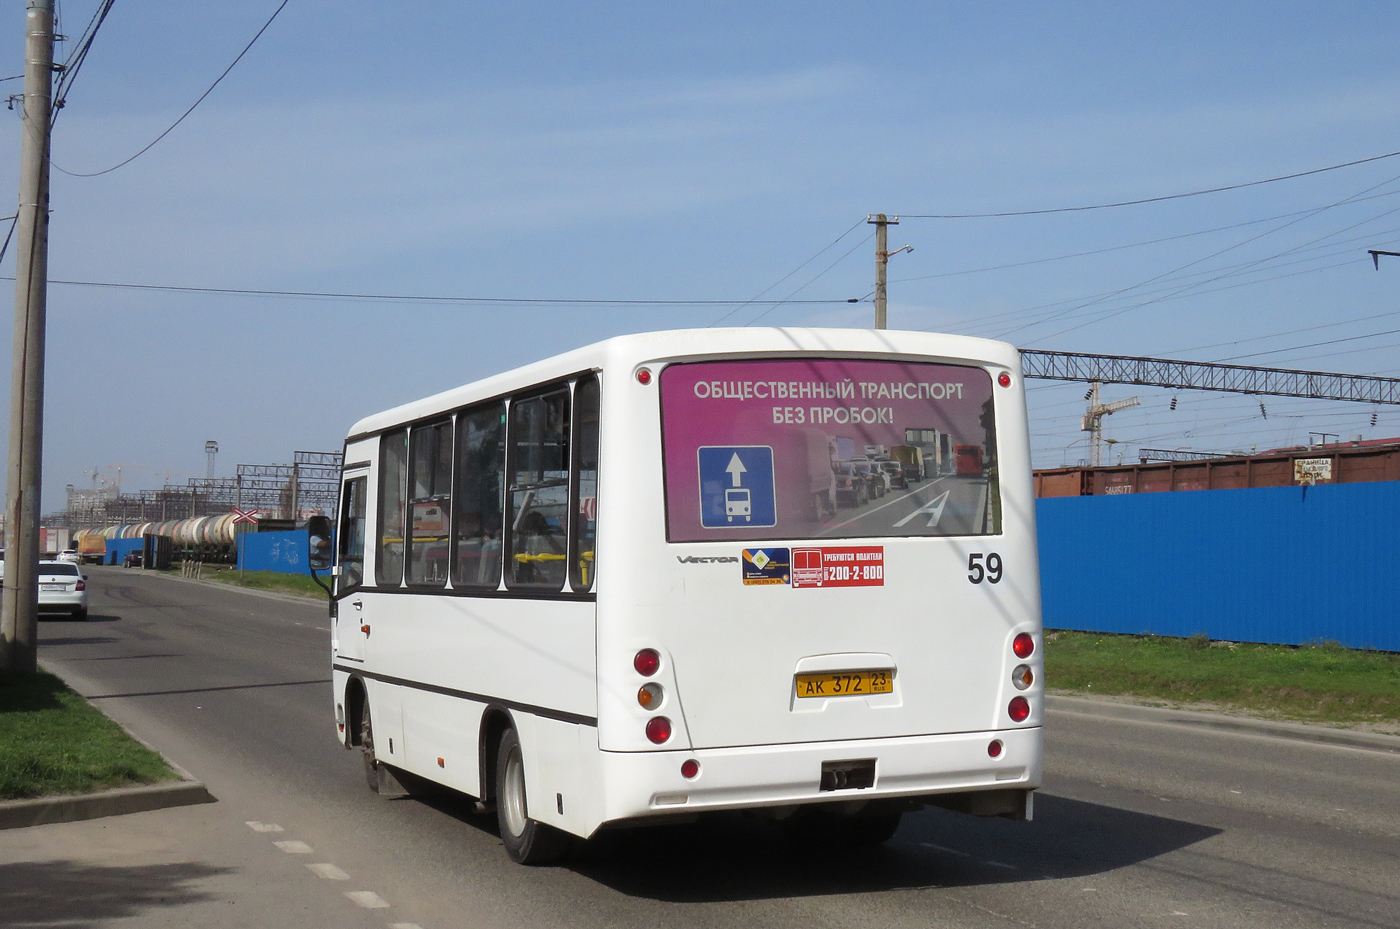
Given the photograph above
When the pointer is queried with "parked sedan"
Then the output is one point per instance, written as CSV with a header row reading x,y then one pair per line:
x,y
62,589
70,555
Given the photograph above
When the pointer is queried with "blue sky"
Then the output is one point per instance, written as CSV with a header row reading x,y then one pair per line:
x,y
659,151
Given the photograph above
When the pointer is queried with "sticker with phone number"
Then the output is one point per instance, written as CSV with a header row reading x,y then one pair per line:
x,y
859,566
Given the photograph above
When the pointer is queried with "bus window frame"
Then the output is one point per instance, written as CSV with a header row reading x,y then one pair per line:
x,y
538,392
432,426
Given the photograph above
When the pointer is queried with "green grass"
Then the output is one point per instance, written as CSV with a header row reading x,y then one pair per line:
x,y
52,741
299,585
1315,683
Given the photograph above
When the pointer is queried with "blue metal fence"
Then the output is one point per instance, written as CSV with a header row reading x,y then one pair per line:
x,y
284,552
1286,565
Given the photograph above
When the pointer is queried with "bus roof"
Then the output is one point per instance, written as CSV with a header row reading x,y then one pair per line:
x,y
671,344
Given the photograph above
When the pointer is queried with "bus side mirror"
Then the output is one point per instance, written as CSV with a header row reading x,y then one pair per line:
x,y
318,530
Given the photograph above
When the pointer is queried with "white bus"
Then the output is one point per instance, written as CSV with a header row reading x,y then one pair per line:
x,y
626,583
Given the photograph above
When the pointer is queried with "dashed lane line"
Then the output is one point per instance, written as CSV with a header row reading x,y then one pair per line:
x,y
367,899
329,871
294,847
256,826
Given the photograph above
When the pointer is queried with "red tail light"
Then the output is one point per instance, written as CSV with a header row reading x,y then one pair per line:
x,y
658,729
1023,645
994,748
690,768
82,585
1019,709
647,662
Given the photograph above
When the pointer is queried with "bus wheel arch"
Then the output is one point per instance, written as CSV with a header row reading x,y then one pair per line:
x,y
494,722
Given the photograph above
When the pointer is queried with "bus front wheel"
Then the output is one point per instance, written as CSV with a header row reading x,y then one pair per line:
x,y
526,840
367,744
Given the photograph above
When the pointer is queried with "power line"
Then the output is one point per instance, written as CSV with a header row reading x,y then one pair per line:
x,y
1119,248
1108,206
177,122
788,298
422,298
74,64
789,274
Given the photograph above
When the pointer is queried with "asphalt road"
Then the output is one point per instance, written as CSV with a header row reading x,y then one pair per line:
x,y
1138,824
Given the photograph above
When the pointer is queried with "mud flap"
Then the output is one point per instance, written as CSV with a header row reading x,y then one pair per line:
x,y
389,786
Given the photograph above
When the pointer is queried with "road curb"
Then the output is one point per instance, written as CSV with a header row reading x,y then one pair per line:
x,y
17,814
1302,732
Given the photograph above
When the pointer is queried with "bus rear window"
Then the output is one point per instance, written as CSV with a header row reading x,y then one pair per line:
x,y
799,449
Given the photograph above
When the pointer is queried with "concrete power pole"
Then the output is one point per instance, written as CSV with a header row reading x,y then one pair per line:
x,y
882,260
20,603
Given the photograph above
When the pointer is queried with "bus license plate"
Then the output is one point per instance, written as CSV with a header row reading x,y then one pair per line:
x,y
845,683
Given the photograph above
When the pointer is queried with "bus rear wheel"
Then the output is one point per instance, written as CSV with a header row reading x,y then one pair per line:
x,y
526,840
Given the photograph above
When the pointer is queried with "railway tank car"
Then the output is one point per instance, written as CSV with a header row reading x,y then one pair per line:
x,y
203,538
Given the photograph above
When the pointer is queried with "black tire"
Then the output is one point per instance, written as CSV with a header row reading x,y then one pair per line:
x,y
526,841
367,746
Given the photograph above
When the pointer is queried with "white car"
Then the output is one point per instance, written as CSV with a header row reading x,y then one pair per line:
x,y
70,555
62,589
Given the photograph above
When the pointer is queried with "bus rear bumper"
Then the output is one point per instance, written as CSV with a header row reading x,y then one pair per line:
x,y
641,785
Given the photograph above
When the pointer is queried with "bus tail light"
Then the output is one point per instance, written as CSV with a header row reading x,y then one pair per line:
x,y
1018,709
1004,379
658,729
650,696
994,748
690,768
1023,645
1023,676
647,662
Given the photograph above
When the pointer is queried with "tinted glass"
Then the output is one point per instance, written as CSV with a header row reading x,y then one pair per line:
x,y
352,536
55,570
583,546
797,449
539,492
393,487
481,472
430,504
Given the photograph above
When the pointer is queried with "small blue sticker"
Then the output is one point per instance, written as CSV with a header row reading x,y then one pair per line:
x,y
766,565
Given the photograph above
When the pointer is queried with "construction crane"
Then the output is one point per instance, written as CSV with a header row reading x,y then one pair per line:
x,y
1092,422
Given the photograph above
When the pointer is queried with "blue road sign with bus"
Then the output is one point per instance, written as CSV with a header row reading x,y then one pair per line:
x,y
736,487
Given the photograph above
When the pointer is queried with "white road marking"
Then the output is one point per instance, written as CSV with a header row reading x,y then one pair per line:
x,y
859,517
404,926
329,871
294,847
944,848
998,864
368,899
934,509
256,826
1177,913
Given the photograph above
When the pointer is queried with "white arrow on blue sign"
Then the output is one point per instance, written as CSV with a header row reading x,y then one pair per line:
x,y
736,487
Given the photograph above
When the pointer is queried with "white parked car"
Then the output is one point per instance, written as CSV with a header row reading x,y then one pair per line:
x,y
70,555
62,589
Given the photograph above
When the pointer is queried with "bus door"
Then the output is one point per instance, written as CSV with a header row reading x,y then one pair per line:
x,y
348,636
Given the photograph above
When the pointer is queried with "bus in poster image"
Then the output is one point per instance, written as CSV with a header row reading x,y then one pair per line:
x,y
619,586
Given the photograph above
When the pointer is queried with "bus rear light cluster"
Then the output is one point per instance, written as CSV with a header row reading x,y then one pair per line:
x,y
1023,676
649,696
647,662
658,729
690,769
994,748
1019,709
1023,645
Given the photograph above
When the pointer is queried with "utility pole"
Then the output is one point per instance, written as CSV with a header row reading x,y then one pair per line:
x,y
19,622
882,260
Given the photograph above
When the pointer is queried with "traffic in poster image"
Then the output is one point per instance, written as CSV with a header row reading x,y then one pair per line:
x,y
797,449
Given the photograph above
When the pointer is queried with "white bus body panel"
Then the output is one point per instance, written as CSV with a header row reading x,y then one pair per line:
x,y
729,651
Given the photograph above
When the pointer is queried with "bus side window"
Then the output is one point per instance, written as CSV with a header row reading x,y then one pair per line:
x,y
430,503
583,544
481,477
393,481
352,537
539,491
